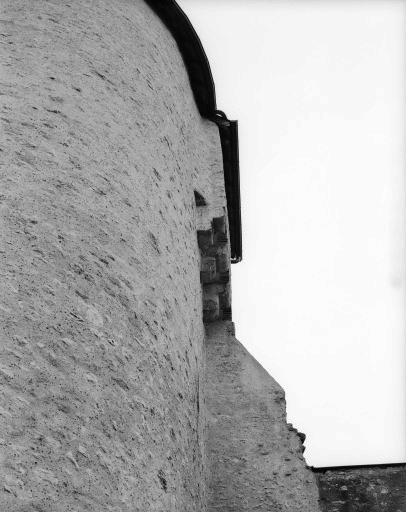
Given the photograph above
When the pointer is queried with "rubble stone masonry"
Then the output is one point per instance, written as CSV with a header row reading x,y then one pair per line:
x,y
103,355
255,457
375,488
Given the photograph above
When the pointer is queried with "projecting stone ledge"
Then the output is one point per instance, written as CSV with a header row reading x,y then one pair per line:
x,y
255,457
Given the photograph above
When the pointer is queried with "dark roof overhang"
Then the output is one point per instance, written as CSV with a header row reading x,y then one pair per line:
x,y
201,80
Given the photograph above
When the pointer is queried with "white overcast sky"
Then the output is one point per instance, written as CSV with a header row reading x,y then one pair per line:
x,y
319,88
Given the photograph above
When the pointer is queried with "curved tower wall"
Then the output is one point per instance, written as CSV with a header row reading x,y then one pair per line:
x,y
108,269
100,300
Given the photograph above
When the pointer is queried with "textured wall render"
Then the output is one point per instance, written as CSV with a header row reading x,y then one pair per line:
x,y
255,457
364,489
100,300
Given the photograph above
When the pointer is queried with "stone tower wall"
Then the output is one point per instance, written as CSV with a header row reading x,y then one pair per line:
x,y
110,389
101,341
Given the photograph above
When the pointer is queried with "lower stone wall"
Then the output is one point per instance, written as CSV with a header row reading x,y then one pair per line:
x,y
255,459
363,489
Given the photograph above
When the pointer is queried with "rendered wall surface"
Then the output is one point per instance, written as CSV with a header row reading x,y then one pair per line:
x,y
366,489
105,374
255,457
101,324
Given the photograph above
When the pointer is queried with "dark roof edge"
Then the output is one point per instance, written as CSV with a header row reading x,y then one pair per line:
x,y
361,466
202,83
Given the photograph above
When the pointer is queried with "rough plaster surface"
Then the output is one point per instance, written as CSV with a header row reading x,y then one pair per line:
x,y
101,325
102,393
373,489
255,457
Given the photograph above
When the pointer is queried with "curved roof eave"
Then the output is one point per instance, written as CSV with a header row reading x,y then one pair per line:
x,y
202,83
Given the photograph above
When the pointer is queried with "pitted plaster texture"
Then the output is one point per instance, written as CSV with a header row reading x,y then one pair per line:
x,y
101,324
255,457
104,377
